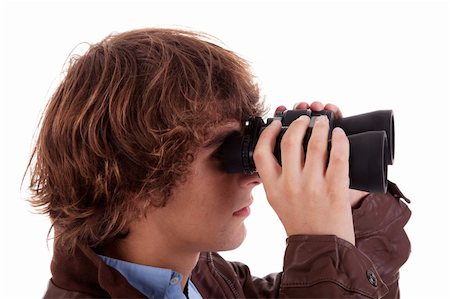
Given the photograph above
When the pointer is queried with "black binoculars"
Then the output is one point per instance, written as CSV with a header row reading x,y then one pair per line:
x,y
371,137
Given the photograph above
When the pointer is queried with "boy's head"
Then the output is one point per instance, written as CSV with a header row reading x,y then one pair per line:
x,y
125,124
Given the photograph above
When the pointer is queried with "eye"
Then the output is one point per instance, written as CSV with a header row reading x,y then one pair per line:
x,y
218,151
217,158
217,154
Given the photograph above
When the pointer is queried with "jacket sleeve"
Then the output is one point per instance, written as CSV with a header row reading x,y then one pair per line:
x,y
379,230
326,266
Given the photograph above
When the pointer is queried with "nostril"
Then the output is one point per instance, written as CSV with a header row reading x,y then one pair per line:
x,y
256,178
250,180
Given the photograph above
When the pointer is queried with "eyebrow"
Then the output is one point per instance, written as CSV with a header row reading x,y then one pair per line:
x,y
219,138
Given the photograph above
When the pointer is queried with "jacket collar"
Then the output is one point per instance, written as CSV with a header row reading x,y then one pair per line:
x,y
85,272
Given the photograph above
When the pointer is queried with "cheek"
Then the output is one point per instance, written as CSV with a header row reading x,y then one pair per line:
x,y
206,220
205,206
215,192
213,207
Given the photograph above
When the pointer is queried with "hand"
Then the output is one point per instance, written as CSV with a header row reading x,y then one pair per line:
x,y
308,196
355,195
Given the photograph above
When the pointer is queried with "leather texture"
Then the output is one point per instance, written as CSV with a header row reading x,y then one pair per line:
x,y
322,266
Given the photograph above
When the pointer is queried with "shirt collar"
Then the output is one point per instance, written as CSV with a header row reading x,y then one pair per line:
x,y
153,282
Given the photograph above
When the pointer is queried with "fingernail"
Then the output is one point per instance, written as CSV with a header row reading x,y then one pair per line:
x,y
279,113
298,104
282,108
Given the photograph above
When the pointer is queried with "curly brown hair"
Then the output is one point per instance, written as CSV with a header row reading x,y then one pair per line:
x,y
123,127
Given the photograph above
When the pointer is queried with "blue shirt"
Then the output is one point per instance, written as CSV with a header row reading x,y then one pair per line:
x,y
153,282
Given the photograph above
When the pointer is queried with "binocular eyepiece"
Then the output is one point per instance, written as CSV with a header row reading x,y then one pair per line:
x,y
371,137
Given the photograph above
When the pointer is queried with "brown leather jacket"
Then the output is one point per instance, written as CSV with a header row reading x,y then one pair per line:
x,y
314,266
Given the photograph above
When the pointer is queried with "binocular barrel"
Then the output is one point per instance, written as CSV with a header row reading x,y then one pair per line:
x,y
382,120
371,137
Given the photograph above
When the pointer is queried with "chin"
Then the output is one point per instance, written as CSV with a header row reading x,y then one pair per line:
x,y
234,240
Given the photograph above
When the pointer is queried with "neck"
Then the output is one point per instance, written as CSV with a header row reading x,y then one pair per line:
x,y
147,247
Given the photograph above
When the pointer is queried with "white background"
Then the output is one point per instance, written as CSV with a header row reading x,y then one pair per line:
x,y
360,55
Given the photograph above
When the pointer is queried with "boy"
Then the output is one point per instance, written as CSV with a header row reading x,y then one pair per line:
x,y
126,166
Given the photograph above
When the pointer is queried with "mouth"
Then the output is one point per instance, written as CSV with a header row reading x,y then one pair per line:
x,y
245,211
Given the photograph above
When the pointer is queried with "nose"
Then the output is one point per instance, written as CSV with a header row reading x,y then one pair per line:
x,y
249,180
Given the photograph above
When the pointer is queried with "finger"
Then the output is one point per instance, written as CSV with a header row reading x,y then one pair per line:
x,y
338,166
265,162
279,110
316,106
301,106
316,156
337,112
292,152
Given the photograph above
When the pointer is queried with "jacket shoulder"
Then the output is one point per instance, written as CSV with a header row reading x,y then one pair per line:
x,y
54,292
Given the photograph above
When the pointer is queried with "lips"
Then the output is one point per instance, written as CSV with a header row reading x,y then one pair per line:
x,y
244,211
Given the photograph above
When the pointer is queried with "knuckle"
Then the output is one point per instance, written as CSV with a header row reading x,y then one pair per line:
x,y
287,143
339,160
258,154
314,145
292,188
337,178
339,152
289,189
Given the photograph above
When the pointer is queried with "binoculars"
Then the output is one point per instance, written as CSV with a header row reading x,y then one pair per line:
x,y
371,137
